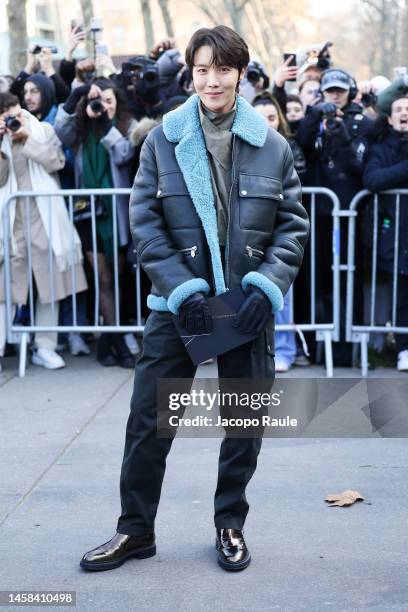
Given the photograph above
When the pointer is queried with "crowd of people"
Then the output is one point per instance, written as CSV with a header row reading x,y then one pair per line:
x,y
82,124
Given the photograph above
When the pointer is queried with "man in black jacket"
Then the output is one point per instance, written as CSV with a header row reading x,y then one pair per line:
x,y
334,138
387,168
215,205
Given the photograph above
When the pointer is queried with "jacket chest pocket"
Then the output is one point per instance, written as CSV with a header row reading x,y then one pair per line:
x,y
178,208
259,198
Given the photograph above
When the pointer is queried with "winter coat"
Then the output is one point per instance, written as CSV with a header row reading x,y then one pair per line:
x,y
387,168
173,218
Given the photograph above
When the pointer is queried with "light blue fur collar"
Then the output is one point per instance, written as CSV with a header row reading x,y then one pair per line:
x,y
248,124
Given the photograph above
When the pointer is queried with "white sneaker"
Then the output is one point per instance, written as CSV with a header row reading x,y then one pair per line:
x,y
77,345
47,358
402,364
132,344
281,365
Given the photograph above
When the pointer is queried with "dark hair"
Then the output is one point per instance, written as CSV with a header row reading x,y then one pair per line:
x,y
228,47
7,100
123,115
264,98
293,98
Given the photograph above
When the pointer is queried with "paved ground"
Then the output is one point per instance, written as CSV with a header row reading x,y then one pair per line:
x,y
60,456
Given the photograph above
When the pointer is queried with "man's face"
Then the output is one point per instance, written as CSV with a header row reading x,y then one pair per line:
x,y
294,111
32,97
13,111
309,93
215,85
399,115
337,95
269,113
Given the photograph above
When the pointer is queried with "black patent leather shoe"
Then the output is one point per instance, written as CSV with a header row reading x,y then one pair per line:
x,y
233,554
117,550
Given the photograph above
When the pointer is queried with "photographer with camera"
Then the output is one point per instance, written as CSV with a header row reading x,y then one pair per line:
x,y
95,122
39,60
368,92
30,157
334,138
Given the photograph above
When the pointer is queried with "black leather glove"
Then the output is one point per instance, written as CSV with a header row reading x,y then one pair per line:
x,y
195,315
324,108
75,96
254,313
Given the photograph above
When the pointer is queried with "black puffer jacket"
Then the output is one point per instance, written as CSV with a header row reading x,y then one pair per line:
x,y
173,217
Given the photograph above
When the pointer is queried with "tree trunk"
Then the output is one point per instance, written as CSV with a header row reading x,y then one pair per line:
x,y
17,23
87,15
168,22
235,9
148,24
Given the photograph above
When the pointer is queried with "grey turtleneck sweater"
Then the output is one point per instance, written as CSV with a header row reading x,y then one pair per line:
x,y
218,140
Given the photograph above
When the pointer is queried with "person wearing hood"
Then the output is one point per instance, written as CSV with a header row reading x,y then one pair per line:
x,y
39,97
387,168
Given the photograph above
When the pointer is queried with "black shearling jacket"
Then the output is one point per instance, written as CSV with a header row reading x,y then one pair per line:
x,y
173,216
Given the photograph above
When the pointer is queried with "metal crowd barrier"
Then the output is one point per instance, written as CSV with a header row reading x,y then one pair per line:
x,y
361,333
326,332
20,334
330,331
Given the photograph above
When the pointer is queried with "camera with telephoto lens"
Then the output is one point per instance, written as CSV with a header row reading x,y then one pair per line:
x,y
140,69
12,123
96,105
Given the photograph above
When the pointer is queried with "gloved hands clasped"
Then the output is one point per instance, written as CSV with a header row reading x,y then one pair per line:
x,y
252,317
195,315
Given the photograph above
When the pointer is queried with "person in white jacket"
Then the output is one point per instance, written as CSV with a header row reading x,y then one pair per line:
x,y
30,156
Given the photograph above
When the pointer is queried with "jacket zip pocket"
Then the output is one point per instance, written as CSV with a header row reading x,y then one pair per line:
x,y
191,250
253,252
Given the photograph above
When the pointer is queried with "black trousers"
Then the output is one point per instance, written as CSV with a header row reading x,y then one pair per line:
x,y
144,461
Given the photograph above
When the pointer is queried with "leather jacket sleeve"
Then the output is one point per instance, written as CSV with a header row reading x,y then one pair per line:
x,y
157,254
284,255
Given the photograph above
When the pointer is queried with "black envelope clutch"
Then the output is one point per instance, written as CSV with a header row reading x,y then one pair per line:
x,y
224,336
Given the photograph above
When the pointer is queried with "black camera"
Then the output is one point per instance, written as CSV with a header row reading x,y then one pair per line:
x,y
255,72
96,105
323,58
368,99
37,49
141,69
12,123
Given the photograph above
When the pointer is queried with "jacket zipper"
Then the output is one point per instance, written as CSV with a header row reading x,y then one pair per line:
x,y
251,250
192,250
229,217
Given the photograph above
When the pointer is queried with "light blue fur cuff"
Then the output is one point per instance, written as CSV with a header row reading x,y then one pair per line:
x,y
270,289
156,302
183,291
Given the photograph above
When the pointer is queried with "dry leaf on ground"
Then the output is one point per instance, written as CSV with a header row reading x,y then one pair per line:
x,y
346,498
